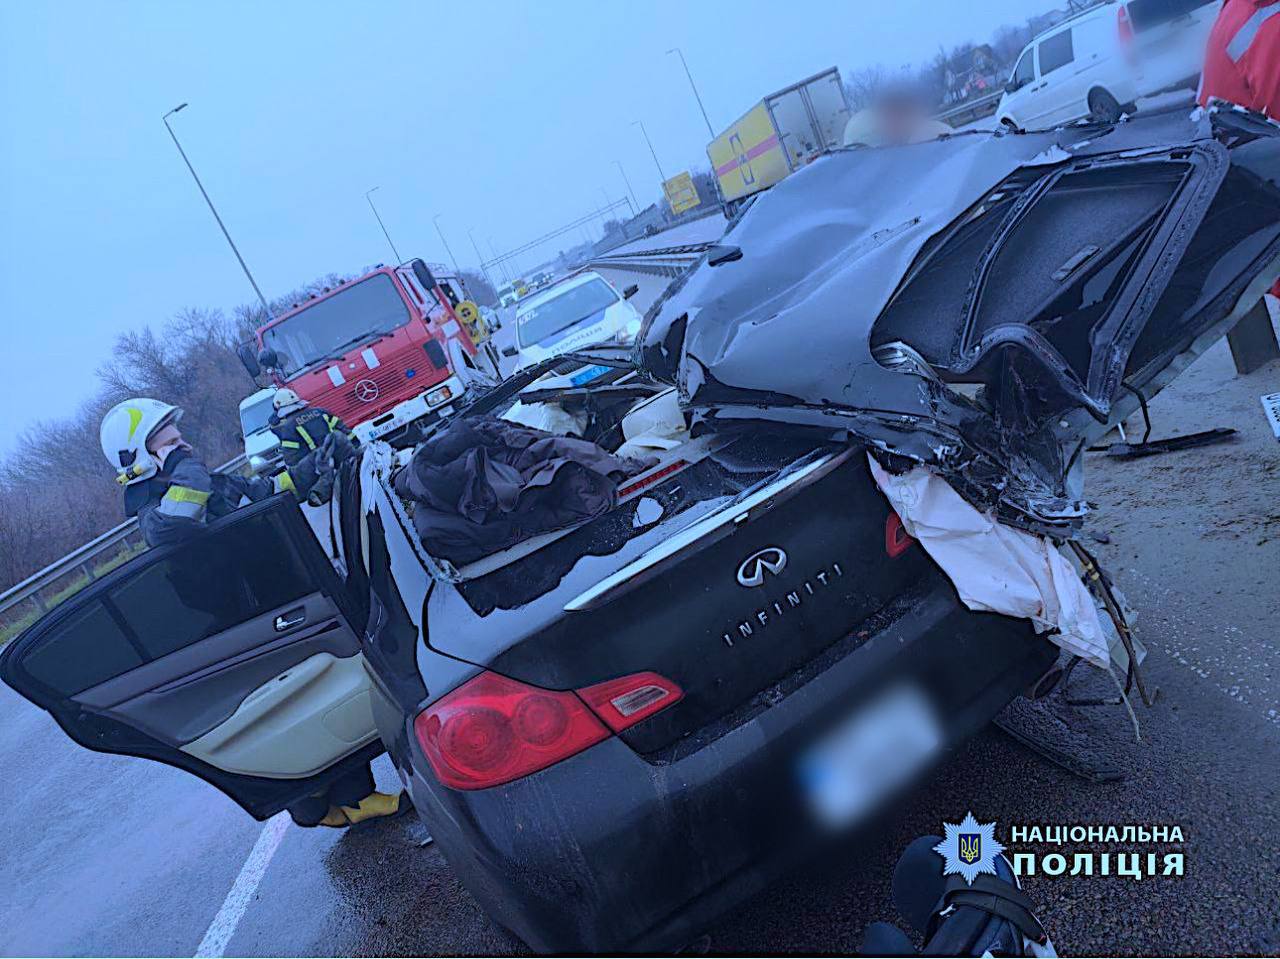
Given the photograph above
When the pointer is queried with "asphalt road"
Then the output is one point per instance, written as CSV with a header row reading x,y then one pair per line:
x,y
115,856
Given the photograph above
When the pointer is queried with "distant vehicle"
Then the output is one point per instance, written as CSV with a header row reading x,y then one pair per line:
x,y
261,446
513,291
584,310
1098,63
783,132
387,353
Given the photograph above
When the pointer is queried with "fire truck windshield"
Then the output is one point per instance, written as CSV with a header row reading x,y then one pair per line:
x,y
329,327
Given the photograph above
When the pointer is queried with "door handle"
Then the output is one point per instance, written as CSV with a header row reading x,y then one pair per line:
x,y
1040,87
290,619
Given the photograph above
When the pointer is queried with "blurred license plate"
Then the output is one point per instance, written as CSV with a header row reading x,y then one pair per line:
x,y
869,756
588,374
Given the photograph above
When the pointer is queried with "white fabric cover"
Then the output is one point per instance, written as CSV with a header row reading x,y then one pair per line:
x,y
995,567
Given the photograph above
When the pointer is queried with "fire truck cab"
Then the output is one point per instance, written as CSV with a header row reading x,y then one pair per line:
x,y
386,352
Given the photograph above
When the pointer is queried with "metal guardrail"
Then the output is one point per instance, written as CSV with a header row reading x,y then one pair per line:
x,y
971,110
82,559
662,261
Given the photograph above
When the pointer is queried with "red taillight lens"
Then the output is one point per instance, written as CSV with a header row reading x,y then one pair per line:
x,y
896,539
624,701
492,730
1124,25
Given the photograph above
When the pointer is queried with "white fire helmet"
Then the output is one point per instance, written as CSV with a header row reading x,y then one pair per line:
x,y
124,434
286,401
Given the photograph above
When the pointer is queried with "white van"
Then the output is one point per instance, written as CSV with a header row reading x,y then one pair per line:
x,y
584,310
1101,61
261,446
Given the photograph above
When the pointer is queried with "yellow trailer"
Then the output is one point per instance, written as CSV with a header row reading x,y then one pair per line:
x,y
780,134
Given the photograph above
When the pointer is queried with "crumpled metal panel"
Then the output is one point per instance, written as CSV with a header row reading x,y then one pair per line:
x,y
783,333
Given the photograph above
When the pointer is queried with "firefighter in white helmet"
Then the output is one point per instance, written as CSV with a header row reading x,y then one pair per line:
x,y
173,494
165,485
313,442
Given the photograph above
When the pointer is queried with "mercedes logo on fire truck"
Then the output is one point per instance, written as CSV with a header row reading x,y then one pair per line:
x,y
366,391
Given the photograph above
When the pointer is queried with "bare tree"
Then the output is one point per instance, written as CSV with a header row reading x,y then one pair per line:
x,y
863,86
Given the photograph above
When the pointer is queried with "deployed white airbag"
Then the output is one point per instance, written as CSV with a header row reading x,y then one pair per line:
x,y
995,567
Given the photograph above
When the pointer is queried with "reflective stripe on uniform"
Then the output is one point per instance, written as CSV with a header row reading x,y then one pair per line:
x,y
184,502
284,483
1245,36
291,444
331,421
306,436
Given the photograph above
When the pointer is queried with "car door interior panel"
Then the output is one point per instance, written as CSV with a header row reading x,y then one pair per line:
x,y
231,655
180,697
297,723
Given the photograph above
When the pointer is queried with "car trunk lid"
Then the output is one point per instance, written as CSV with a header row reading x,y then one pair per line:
x,y
724,597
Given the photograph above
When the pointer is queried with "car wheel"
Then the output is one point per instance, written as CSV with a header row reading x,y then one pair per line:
x,y
1103,106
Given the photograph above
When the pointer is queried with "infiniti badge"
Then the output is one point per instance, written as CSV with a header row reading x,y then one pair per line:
x,y
771,559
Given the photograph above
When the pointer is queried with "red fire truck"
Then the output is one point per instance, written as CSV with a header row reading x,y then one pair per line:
x,y
385,352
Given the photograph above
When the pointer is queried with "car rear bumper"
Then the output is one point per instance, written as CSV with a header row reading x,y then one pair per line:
x,y
611,850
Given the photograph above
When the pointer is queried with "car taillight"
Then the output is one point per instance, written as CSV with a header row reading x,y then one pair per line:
x,y
624,701
492,729
896,539
1123,24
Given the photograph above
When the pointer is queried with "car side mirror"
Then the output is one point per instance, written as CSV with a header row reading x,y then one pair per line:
x,y
423,275
268,359
630,291
509,351
723,253
248,360
1013,86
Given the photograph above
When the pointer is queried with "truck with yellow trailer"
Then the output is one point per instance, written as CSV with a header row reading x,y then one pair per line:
x,y
783,132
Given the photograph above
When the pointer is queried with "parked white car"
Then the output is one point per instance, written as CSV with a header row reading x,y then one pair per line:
x,y
261,446
1101,61
584,310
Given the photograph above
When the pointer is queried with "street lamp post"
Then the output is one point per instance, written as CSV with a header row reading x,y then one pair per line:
x,y
222,226
436,221
654,153
394,251
635,204
680,53
471,234
502,264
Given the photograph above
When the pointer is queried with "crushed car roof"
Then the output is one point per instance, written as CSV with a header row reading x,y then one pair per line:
x,y
983,303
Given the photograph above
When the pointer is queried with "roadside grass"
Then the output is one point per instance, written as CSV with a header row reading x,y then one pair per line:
x,y
11,629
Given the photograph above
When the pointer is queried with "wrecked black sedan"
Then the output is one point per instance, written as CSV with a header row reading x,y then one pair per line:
x,y
624,707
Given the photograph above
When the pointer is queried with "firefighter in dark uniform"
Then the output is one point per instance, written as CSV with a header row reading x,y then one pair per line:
x,y
174,494
311,441
165,484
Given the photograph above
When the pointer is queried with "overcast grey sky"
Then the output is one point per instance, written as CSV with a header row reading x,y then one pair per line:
x,y
504,118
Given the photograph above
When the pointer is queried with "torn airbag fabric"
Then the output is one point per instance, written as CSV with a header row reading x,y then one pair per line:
x,y
994,567
482,484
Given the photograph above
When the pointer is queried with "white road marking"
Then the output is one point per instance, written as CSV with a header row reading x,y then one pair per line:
x,y
223,927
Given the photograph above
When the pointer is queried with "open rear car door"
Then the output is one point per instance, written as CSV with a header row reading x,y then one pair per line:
x,y
232,656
